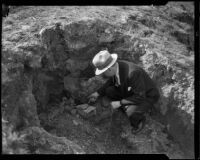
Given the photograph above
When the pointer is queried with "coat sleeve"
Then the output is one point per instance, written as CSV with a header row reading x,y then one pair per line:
x,y
102,90
137,83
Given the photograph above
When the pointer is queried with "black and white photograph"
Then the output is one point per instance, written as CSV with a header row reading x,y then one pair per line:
x,y
106,79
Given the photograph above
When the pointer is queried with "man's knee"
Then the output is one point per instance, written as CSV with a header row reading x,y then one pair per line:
x,y
130,110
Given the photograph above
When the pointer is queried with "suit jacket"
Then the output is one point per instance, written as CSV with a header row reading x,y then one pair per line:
x,y
136,85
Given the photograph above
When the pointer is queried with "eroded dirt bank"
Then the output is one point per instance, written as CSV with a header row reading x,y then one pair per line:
x,y
47,53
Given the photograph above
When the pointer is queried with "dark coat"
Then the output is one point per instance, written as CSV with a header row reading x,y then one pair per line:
x,y
132,76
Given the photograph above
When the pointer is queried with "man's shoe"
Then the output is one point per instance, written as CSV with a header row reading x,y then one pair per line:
x,y
139,127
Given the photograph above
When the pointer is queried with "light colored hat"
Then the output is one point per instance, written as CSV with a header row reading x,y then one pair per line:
x,y
103,60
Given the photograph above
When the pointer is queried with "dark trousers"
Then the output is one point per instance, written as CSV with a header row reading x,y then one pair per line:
x,y
142,106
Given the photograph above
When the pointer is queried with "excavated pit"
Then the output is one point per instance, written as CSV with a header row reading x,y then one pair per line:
x,y
68,72
60,66
70,76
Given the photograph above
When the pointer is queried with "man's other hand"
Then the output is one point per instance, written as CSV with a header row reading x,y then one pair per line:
x,y
115,104
93,97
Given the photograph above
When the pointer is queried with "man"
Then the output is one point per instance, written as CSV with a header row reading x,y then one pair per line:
x,y
128,86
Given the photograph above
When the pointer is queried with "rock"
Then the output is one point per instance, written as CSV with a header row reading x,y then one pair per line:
x,y
98,130
87,112
147,33
75,122
81,88
26,27
68,108
82,114
148,22
73,111
90,109
82,106
71,101
90,86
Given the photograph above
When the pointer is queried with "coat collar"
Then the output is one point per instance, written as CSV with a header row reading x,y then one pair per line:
x,y
123,71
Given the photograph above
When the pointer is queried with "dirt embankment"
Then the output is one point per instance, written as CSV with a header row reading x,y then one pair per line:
x,y
47,53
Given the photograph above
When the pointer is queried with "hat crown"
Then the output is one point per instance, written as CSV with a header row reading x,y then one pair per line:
x,y
102,58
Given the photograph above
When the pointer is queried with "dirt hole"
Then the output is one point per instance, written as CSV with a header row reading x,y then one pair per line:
x,y
67,78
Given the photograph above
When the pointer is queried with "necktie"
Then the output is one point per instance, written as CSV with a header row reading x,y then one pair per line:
x,y
116,81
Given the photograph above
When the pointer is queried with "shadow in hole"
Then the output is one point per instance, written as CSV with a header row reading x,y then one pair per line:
x,y
48,127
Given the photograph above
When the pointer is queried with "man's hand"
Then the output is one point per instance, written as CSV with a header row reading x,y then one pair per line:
x,y
115,104
93,97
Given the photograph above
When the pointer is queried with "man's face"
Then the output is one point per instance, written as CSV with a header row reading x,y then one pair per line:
x,y
110,72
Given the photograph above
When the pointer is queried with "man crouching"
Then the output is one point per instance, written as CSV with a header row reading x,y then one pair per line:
x,y
128,86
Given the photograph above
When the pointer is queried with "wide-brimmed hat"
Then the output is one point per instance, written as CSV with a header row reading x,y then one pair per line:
x,y
103,60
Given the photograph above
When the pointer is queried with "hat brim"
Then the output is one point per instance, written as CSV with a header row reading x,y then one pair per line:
x,y
98,71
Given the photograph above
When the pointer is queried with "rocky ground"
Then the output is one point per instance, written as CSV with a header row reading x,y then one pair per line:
x,y
47,74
